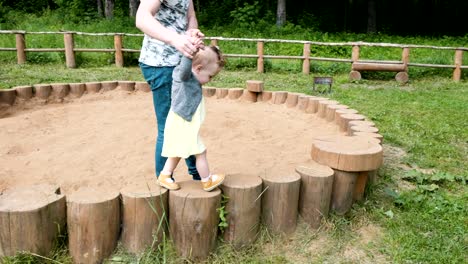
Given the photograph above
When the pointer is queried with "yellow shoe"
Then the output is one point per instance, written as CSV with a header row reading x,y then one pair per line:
x,y
214,181
167,182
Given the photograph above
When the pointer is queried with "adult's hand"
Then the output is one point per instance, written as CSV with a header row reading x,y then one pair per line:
x,y
186,45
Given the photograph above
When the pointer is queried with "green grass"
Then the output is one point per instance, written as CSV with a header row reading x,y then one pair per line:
x,y
418,208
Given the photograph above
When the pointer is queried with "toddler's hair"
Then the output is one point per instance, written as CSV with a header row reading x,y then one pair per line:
x,y
221,60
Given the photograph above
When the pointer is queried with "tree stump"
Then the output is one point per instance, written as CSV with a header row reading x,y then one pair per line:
x,y
343,120
128,86
235,93
208,91
348,156
343,191
280,202
144,216
93,218
193,219
221,93
302,102
24,92
93,87
361,181
249,96
243,208
60,90
361,123
315,194
42,91
7,96
340,112
108,86
322,107
264,96
377,136
142,86
77,89
331,109
31,219
279,97
291,100
361,128
255,86
312,106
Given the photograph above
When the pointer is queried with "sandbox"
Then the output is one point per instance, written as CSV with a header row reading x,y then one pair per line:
x,y
75,136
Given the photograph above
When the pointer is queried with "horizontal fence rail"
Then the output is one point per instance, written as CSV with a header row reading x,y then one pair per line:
x,y
400,66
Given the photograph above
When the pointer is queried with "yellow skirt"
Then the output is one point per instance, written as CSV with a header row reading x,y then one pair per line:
x,y
181,138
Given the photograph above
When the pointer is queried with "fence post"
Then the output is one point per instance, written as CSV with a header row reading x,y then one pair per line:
x,y
306,63
355,54
69,50
260,57
458,64
20,48
405,57
119,60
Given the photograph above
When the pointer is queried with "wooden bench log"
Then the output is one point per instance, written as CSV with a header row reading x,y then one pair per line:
x,y
255,86
108,85
144,217
42,91
279,97
343,120
315,194
93,87
7,96
193,219
142,86
331,109
312,106
24,92
291,100
93,218
348,156
243,208
322,107
264,96
249,96
77,89
31,219
392,67
221,93
280,202
59,90
208,91
128,86
235,93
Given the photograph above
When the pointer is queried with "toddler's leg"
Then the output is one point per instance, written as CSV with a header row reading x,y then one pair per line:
x,y
209,181
165,178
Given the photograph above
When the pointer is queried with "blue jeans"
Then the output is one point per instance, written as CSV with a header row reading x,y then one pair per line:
x,y
160,81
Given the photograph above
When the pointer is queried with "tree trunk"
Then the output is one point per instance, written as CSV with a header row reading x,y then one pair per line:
x,y
109,9
281,13
371,17
100,8
133,5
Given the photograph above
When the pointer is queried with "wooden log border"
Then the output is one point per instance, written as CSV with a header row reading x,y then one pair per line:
x,y
357,64
297,101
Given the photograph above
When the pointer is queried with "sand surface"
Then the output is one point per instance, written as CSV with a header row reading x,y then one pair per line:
x,y
107,140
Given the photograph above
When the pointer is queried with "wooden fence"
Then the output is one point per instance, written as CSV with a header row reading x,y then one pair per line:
x,y
357,64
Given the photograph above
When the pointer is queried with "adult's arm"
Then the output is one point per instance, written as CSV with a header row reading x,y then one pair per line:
x,y
147,24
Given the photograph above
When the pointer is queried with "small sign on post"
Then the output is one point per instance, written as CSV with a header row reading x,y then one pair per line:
x,y
323,80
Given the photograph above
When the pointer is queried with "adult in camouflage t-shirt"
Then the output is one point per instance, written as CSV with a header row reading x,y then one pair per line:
x,y
168,26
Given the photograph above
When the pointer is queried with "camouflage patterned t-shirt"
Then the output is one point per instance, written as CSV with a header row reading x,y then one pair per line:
x,y
172,14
